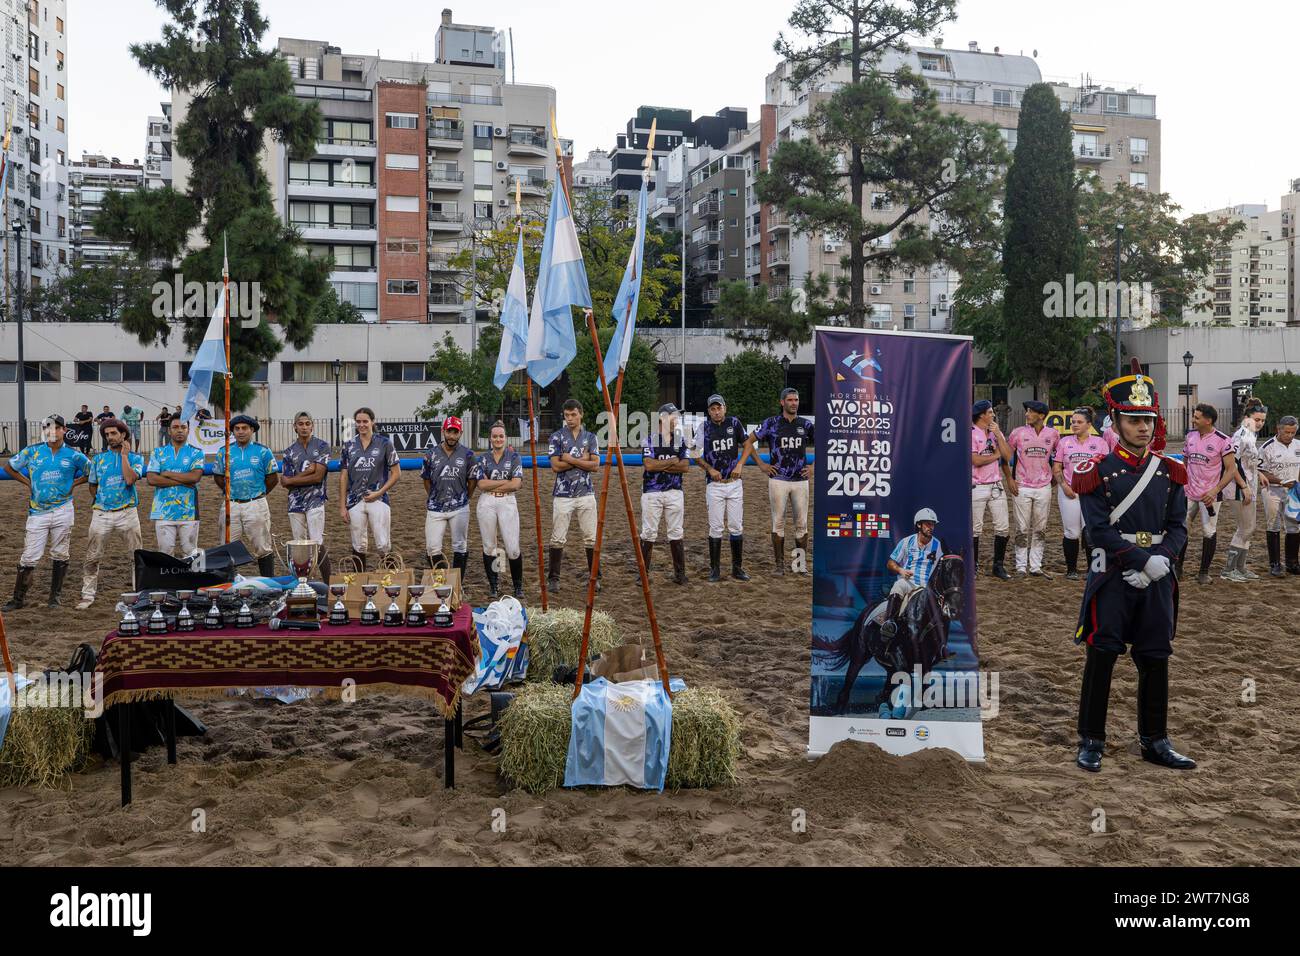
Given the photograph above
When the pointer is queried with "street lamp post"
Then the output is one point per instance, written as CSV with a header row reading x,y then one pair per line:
x,y
785,371
21,370
1119,240
337,368
1188,359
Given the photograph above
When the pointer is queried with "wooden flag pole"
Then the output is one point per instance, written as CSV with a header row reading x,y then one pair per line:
x,y
225,280
537,494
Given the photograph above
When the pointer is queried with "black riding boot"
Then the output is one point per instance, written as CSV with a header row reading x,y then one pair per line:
x,y
999,557
1153,715
678,551
1208,547
778,553
266,565
802,544
975,560
889,627
737,557
553,570
21,585
460,561
715,560
1274,539
493,578
57,576
517,576
1071,548
591,559
647,550
1093,701
1293,554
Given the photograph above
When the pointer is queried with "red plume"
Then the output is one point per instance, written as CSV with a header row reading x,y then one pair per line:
x,y
1135,365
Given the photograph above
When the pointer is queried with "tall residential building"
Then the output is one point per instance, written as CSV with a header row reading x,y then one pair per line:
x,y
414,160
675,127
1251,281
36,104
88,181
594,172
158,150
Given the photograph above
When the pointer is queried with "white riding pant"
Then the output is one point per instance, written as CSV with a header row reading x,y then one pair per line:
x,y
173,533
438,523
993,497
668,506
103,525
52,527
794,494
366,519
726,505
1032,507
499,515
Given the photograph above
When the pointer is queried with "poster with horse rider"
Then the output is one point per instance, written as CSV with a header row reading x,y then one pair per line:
x,y
894,655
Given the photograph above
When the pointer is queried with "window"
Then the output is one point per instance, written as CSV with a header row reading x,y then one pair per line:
x,y
881,201
319,172
315,373
34,81
1002,98
347,132
324,215
909,287
402,203
364,295
58,87
1137,147
402,120
346,258
58,123
258,377
403,286
402,246
58,25
121,372
404,372
1009,138
1112,102
1138,180
401,161
32,371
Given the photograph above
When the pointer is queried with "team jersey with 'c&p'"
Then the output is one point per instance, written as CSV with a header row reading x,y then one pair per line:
x,y
662,480
720,444
788,442
574,483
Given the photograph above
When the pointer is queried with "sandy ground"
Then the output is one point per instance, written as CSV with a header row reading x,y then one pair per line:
x,y
333,783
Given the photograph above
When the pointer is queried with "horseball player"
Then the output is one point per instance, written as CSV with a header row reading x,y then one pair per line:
x,y
174,473
253,473
665,461
788,437
303,473
113,475
500,473
448,473
723,450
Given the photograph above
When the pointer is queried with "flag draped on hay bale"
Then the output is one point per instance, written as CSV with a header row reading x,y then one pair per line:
x,y
555,637
44,745
535,738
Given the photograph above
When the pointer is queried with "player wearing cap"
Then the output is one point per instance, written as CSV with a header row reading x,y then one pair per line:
x,y
1246,447
1032,446
991,482
304,473
1135,510
723,449
913,559
50,470
575,457
113,475
788,437
1211,467
664,462
449,482
1279,469
254,472
174,473
368,469
1072,451
500,473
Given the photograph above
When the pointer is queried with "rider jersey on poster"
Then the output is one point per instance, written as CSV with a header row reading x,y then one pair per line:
x,y
910,555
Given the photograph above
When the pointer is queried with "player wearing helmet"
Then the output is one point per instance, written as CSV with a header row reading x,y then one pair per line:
x,y
913,560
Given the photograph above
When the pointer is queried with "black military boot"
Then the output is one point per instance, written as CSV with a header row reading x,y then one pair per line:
x,y
999,557
591,559
715,560
1208,546
266,565
517,576
493,579
1094,698
1153,715
737,557
647,550
1293,554
57,576
678,551
1071,548
778,553
1274,539
553,570
21,585
975,560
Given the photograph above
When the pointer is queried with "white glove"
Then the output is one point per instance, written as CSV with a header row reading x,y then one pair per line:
x,y
1157,568
1137,579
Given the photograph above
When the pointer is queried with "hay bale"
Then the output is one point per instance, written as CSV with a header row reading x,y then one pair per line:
x,y
43,745
535,739
555,637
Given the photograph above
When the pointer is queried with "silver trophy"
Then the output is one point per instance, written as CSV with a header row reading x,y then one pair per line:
x,y
442,617
370,613
415,616
300,603
157,620
339,612
185,622
393,617
244,617
129,626
213,621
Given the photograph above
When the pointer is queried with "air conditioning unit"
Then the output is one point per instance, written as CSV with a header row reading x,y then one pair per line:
x,y
502,166
831,247
503,203
498,131
877,290
943,296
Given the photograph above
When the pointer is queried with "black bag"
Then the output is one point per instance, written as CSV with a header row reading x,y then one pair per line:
x,y
161,572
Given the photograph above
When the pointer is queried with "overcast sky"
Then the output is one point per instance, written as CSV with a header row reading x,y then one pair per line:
x,y
1223,74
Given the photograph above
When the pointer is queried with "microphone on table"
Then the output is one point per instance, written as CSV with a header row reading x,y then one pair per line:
x,y
278,624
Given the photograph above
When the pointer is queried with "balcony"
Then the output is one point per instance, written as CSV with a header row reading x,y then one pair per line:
x,y
709,209
525,142
1089,153
441,264
532,185
711,296
778,222
446,221
336,231
466,98
709,267
775,292
445,302
446,137
707,237
445,176
779,260
345,146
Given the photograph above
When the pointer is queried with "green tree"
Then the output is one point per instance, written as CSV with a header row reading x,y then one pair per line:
x,y
101,293
640,381
939,170
757,318
1042,245
329,309
751,382
242,93
1280,391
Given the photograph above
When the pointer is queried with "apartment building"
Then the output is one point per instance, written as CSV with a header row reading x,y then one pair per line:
x,y
158,150
674,127
414,160
594,172
89,180
1251,283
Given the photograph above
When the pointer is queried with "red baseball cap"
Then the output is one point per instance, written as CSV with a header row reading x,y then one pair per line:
x,y
451,421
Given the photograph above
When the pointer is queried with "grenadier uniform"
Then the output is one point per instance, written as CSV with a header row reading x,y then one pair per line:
x,y
1135,511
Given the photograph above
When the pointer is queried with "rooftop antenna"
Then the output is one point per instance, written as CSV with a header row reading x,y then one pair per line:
x,y
511,30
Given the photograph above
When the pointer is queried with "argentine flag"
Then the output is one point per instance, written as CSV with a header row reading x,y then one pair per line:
x,y
514,323
628,298
1293,503
621,735
561,284
210,361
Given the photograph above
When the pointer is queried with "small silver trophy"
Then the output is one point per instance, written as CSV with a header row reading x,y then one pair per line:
x,y
185,622
213,621
339,612
393,617
244,618
157,620
129,626
442,617
370,613
415,616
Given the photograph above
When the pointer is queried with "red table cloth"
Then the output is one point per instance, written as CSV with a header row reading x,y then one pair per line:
x,y
428,662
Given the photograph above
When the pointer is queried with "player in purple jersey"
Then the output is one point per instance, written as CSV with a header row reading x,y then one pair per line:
x,y
723,449
788,437
665,461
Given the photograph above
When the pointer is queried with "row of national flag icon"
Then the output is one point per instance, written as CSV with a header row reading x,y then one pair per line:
x,y
859,525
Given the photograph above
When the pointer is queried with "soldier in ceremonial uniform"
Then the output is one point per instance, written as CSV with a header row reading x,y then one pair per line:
x,y
1135,511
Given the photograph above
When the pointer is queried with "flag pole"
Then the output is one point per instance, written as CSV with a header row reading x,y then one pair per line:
x,y
225,286
532,435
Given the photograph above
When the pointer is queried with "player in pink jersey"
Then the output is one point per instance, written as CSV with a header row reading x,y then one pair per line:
x,y
1033,445
1211,467
1074,449
990,483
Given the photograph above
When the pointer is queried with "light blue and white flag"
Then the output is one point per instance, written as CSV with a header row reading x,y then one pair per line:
x,y
514,323
1293,503
561,284
621,735
628,298
210,361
